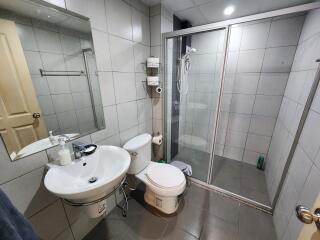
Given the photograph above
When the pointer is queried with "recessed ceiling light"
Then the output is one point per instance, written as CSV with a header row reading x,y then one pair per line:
x,y
228,10
49,16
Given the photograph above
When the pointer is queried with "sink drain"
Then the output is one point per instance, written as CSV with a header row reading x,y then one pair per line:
x,y
92,180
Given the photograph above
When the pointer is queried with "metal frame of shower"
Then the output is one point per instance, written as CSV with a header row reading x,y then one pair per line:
x,y
226,26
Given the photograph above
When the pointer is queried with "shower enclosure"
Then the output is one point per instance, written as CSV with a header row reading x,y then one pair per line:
x,y
229,103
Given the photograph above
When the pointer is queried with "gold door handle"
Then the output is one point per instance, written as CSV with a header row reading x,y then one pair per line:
x,y
306,216
36,115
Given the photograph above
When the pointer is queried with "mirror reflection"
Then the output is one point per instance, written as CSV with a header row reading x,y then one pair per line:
x,y
48,82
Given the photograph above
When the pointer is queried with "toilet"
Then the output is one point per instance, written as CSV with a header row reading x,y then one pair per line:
x,y
164,182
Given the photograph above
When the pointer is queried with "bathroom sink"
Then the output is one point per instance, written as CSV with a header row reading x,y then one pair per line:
x,y
90,177
41,145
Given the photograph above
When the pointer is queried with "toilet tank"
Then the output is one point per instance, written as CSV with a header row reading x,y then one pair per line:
x,y
139,148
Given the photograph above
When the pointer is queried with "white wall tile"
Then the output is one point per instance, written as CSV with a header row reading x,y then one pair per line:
x,y
251,157
246,83
272,83
33,61
48,41
101,42
53,62
285,32
127,115
58,85
262,125
278,59
141,27
233,153
141,86
70,45
255,36
121,54
125,87
238,122
27,37
46,105
144,110
241,103
236,139
107,88
267,105
310,135
250,61
119,19
141,53
155,27
258,143
28,193
62,102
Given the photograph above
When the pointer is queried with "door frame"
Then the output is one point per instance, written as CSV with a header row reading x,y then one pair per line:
x,y
219,26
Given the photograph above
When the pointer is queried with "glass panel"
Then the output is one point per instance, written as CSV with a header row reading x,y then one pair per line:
x,y
248,159
194,69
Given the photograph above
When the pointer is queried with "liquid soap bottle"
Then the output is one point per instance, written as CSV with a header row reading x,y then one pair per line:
x,y
64,153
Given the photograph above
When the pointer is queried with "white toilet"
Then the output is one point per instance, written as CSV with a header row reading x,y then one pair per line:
x,y
164,182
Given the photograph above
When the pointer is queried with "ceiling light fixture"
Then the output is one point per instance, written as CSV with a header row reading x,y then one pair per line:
x,y
228,10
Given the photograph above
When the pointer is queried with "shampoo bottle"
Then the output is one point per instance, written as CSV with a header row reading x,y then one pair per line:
x,y
64,153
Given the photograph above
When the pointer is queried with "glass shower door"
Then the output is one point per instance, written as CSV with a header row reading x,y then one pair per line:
x,y
194,65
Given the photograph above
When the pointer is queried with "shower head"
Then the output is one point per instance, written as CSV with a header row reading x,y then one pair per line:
x,y
192,50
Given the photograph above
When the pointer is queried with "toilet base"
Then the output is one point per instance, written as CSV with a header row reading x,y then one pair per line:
x,y
167,205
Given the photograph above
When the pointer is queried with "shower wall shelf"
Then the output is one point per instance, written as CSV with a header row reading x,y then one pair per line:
x,y
61,73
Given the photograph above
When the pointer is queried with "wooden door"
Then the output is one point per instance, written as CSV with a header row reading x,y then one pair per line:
x,y
18,100
310,231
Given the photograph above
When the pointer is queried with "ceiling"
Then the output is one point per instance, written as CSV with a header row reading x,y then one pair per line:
x,y
206,11
33,10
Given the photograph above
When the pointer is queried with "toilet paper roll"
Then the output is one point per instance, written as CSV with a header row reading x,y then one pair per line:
x,y
157,140
159,90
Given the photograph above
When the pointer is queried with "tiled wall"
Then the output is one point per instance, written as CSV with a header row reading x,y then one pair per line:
x,y
65,101
121,37
258,65
198,104
302,182
161,20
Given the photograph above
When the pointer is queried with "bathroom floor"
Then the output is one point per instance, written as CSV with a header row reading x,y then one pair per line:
x,y
240,178
231,175
201,215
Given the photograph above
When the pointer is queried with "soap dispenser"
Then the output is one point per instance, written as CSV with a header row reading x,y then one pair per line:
x,y
52,138
64,153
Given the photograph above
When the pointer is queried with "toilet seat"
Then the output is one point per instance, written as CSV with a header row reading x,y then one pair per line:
x,y
159,188
165,176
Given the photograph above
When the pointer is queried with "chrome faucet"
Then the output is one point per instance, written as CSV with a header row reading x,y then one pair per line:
x,y
78,149
65,136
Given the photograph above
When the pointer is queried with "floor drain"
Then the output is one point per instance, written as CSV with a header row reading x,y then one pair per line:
x,y
92,180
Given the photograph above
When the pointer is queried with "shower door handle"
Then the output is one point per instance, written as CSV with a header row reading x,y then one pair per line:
x,y
306,216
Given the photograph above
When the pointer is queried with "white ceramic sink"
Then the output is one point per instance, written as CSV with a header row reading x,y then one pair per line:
x,y
41,145
109,164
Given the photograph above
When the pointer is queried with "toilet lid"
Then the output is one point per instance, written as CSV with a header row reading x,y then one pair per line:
x,y
165,175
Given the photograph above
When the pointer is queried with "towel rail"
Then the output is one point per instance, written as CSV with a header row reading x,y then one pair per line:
x,y
61,73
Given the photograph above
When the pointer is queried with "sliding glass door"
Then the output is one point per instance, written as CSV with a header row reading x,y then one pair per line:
x,y
194,65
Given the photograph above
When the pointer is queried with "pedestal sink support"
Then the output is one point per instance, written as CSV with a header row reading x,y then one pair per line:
x,y
120,187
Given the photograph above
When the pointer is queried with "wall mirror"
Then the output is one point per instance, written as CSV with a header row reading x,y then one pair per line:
x,y
48,77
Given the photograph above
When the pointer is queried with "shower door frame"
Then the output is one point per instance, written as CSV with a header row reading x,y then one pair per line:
x,y
226,26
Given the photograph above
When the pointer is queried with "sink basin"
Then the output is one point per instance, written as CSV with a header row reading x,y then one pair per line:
x,y
91,177
40,145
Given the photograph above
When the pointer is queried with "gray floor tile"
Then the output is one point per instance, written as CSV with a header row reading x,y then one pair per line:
x,y
255,225
174,233
202,214
217,229
225,208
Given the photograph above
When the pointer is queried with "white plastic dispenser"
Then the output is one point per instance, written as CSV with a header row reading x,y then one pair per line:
x,y
153,62
52,138
64,153
153,80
